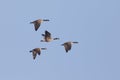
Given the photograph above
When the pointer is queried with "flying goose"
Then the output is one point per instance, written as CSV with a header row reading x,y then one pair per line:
x,y
47,37
36,51
38,22
68,45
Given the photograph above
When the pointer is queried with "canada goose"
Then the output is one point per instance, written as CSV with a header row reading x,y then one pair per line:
x,y
37,51
47,37
68,45
38,22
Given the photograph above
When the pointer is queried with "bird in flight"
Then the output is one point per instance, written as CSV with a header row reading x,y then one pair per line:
x,y
68,45
38,22
47,37
36,51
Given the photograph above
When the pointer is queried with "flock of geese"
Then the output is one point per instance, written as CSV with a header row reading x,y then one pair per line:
x,y
47,38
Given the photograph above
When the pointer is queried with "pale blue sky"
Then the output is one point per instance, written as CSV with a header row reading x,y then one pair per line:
x,y
95,24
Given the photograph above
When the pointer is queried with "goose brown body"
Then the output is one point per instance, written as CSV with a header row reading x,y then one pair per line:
x,y
68,45
47,37
36,51
38,22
